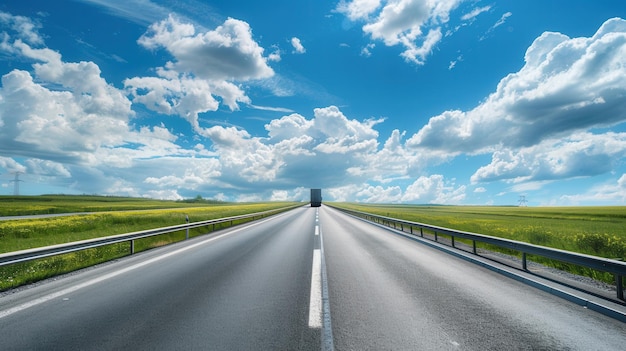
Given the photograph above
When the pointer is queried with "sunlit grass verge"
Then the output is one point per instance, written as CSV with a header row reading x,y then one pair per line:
x,y
597,231
54,204
24,234
31,233
19,274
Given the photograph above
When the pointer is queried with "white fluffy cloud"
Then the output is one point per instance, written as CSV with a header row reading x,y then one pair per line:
x,y
83,116
566,85
582,154
379,194
434,189
226,53
297,46
76,128
543,123
23,27
205,66
358,9
414,24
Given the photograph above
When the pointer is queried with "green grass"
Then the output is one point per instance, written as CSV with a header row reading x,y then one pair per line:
x,y
32,233
598,231
53,204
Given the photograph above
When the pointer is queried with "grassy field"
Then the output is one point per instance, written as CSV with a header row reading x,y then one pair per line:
x,y
128,215
598,231
52,204
30,233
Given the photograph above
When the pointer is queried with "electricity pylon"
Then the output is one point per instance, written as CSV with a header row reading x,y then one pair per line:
x,y
16,183
522,201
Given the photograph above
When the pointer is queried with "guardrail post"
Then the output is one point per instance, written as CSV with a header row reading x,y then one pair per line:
x,y
474,247
187,231
411,229
524,264
452,240
132,247
435,236
422,232
619,285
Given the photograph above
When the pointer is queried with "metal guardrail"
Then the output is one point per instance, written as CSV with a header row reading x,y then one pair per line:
x,y
615,267
53,250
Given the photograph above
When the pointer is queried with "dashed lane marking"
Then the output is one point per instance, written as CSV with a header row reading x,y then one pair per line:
x,y
315,304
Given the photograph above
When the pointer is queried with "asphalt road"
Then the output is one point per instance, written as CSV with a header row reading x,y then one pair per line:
x,y
309,279
388,292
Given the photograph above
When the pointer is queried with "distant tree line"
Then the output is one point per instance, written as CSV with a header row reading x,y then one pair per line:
x,y
200,199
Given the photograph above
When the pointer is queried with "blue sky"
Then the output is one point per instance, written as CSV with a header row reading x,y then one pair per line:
x,y
399,101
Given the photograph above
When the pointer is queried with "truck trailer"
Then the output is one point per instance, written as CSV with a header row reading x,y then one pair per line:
x,y
316,197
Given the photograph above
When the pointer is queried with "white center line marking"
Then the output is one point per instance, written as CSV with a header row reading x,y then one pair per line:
x,y
317,230
315,304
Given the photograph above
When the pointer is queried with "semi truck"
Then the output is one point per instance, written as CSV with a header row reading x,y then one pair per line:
x,y
316,197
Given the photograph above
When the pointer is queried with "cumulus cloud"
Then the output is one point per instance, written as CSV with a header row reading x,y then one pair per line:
x,y
433,189
75,129
47,168
23,27
379,194
579,155
226,53
184,95
544,122
566,85
328,150
358,9
79,131
297,46
11,165
65,123
541,124
205,66
414,24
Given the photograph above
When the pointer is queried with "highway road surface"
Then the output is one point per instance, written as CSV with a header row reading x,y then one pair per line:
x,y
308,279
